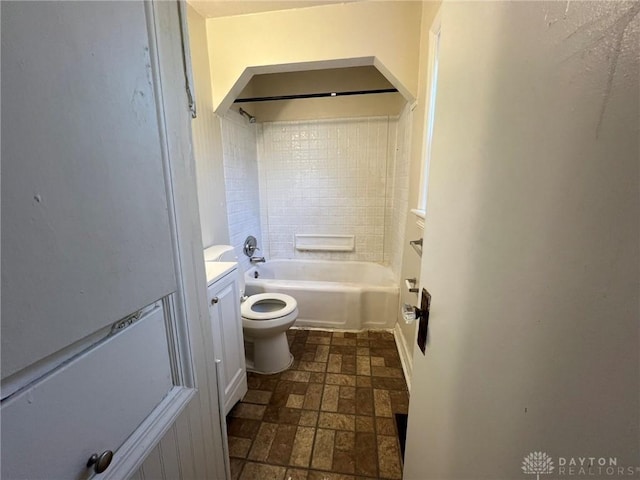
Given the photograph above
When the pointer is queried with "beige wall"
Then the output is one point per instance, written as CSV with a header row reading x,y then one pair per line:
x,y
410,259
363,33
207,141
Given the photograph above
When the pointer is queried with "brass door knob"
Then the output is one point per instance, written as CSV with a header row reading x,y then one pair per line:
x,y
100,462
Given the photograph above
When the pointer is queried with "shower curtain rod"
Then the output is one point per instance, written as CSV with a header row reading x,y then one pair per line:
x,y
315,95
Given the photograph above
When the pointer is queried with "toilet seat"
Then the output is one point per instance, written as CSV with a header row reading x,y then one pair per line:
x,y
249,311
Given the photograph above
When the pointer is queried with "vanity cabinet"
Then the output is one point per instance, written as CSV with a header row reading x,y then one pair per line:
x,y
223,296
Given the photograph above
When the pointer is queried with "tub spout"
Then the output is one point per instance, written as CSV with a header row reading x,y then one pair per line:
x,y
255,260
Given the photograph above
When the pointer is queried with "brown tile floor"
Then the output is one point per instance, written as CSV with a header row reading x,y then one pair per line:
x,y
329,417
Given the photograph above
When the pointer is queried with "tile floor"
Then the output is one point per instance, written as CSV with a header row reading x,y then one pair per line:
x,y
329,417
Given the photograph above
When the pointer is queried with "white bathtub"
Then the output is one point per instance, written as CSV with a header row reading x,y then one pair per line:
x,y
331,294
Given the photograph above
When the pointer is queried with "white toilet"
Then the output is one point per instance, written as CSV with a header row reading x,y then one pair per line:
x,y
266,317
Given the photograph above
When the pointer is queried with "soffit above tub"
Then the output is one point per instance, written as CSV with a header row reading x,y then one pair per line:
x,y
228,8
316,81
363,78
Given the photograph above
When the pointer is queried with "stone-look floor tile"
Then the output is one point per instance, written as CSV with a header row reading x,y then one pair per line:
x,y
281,436
260,397
295,376
377,362
264,440
399,401
340,379
302,446
351,342
382,403
315,475
388,383
248,410
296,474
364,401
349,364
253,471
242,427
342,349
323,449
344,462
366,454
322,354
299,388
313,397
348,392
330,398
312,366
345,441
335,363
236,467
363,381
385,426
282,445
308,418
309,356
389,457
364,366
295,401
386,372
364,424
279,398
282,415
319,340
346,405
337,421
238,447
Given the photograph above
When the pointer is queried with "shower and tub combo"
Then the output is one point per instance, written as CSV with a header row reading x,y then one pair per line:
x,y
348,295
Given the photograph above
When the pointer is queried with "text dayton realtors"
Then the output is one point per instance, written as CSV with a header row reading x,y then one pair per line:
x,y
592,466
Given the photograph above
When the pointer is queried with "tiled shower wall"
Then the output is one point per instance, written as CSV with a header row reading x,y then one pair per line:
x,y
241,182
326,177
397,205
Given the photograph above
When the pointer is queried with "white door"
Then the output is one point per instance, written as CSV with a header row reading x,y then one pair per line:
x,y
531,247
86,236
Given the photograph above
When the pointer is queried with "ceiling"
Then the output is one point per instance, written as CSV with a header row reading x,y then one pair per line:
x,y
226,8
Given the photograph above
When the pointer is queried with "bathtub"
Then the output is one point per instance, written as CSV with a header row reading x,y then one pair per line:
x,y
331,294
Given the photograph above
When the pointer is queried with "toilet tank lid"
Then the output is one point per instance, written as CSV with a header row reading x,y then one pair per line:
x,y
214,253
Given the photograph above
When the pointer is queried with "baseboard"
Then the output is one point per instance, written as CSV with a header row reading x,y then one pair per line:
x,y
406,358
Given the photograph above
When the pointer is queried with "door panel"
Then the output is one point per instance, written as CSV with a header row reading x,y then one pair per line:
x,y
90,405
85,228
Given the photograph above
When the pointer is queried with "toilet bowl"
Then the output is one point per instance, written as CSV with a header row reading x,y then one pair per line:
x,y
266,317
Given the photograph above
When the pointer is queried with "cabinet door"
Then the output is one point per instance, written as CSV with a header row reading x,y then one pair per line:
x,y
226,325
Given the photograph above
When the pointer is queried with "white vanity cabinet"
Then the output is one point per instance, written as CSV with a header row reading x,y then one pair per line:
x,y
223,296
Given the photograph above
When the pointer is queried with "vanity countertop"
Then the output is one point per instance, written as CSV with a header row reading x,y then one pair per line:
x,y
217,270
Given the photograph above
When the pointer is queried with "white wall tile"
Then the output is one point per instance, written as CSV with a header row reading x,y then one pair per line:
x,y
241,172
327,176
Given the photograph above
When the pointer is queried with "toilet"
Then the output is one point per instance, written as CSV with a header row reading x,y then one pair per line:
x,y
266,317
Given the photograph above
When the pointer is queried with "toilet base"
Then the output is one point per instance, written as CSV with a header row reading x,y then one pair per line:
x,y
268,355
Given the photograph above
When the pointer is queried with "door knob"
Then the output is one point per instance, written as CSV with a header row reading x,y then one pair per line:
x,y
214,300
100,462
